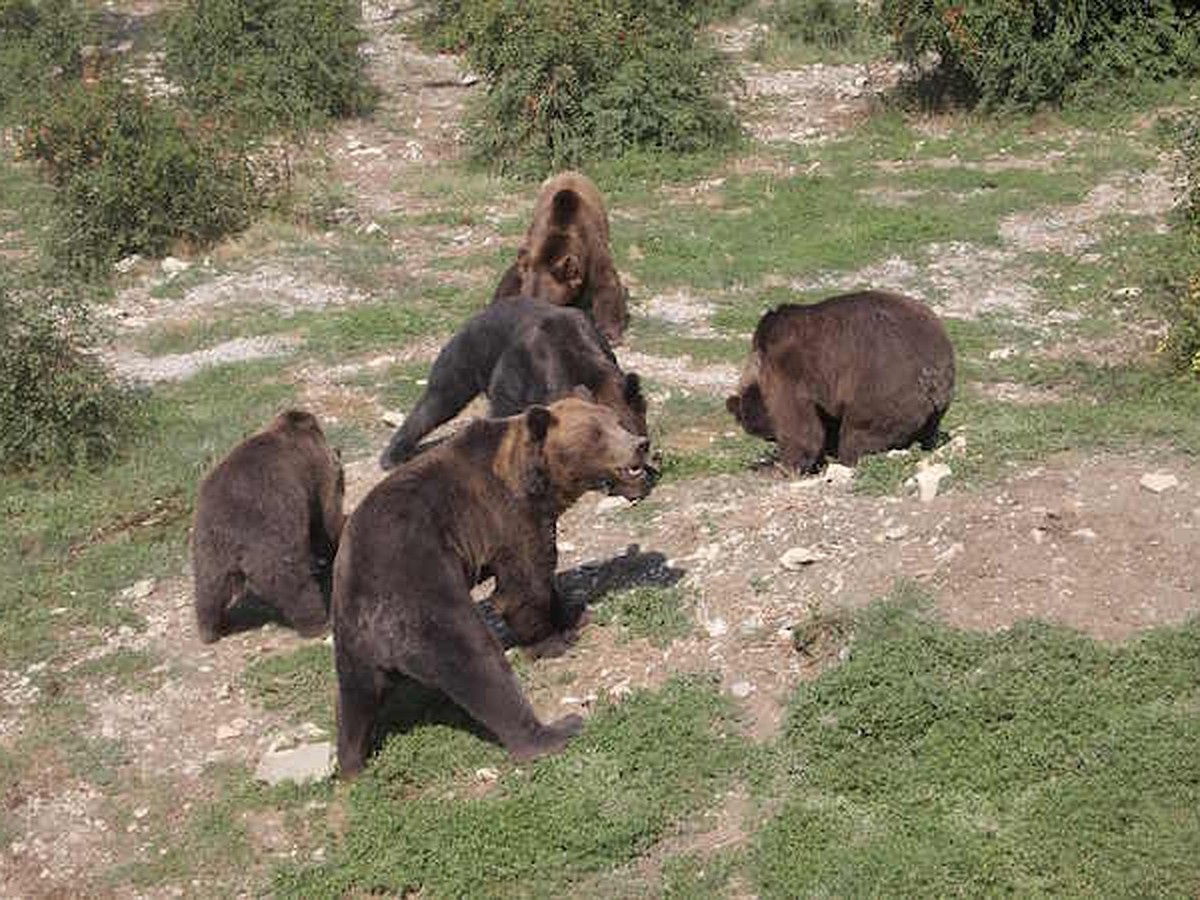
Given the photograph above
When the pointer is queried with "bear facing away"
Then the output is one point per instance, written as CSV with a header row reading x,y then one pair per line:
x,y
566,256
520,353
486,501
854,374
268,518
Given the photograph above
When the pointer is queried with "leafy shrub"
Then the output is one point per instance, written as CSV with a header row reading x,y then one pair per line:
x,y
41,44
1025,53
272,63
828,24
133,175
1182,343
569,81
59,406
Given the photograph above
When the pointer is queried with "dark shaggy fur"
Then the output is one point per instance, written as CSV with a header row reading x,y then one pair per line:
x,y
520,353
566,256
486,501
267,523
854,374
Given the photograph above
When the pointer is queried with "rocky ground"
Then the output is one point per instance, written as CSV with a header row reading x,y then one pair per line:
x,y
1104,542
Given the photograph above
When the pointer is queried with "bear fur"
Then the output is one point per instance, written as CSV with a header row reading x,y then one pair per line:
x,y
520,353
268,518
485,502
854,374
566,256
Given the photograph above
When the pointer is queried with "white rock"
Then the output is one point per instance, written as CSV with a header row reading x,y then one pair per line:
x,y
232,730
1038,535
126,265
1001,353
487,774
716,627
950,552
172,266
741,689
898,454
141,812
896,533
798,557
929,478
837,474
139,590
392,418
611,504
1084,534
1159,481
565,547
308,762
1128,292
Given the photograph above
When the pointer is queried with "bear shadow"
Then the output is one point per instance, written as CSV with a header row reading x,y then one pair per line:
x,y
251,612
589,583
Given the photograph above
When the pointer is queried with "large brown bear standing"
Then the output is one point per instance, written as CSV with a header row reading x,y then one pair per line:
x,y
566,256
520,352
268,519
486,500
854,374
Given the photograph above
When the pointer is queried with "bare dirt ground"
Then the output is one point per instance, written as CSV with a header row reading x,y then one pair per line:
x,y
1075,540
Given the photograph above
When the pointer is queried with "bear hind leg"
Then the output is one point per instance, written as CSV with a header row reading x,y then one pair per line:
x,y
215,593
294,592
360,693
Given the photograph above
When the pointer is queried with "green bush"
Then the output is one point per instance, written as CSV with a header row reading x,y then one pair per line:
x,y
1026,53
572,81
271,63
41,45
59,406
1182,343
827,24
133,175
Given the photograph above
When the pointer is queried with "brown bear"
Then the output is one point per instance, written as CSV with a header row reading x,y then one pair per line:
x,y
566,256
485,501
521,352
268,519
853,374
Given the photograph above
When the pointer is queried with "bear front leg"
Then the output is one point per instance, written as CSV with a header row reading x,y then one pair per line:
x,y
800,433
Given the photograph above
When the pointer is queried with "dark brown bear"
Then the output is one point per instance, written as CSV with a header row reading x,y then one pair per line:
x,y
520,353
268,519
487,500
566,256
854,374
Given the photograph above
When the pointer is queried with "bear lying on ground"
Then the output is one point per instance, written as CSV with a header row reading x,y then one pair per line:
x,y
268,519
520,352
485,501
854,374
566,256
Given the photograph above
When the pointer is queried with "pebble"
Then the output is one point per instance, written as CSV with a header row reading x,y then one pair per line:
x,y
172,266
895,534
929,478
1157,482
798,557
139,590
1084,534
487,774
716,627
741,689
232,730
392,418
1002,353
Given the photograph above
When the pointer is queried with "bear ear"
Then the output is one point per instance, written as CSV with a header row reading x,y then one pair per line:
x,y
583,392
539,419
633,388
564,208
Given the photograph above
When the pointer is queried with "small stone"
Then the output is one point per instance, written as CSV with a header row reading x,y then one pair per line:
x,y
1085,534
308,762
611,504
741,689
1159,481
392,418
141,812
751,625
898,454
1038,535
716,627
1002,353
232,730
896,533
171,266
565,547
139,590
798,557
950,552
928,480
571,701
1128,293
837,474
58,611
487,774
844,653
127,264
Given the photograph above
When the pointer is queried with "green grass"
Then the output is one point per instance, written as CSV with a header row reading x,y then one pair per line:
x,y
301,683
659,615
416,823
1031,762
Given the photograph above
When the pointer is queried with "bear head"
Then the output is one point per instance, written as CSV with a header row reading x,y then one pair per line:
x,y
571,447
555,271
748,405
